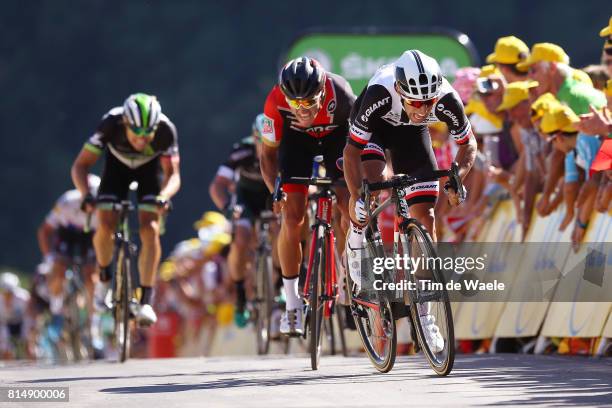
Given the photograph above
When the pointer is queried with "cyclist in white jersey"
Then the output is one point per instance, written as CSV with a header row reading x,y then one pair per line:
x,y
13,313
392,114
62,237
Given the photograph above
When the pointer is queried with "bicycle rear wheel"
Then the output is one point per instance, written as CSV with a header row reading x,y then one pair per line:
x,y
430,307
375,322
330,333
122,299
340,313
263,301
316,306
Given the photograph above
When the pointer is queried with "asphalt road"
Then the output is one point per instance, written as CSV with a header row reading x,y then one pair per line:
x,y
280,381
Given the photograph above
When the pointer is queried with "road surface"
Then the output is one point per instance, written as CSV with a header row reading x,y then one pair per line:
x,y
287,381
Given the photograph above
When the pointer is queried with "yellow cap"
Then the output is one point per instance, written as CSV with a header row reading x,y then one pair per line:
x,y
508,50
489,70
543,104
478,107
217,243
209,218
515,93
606,31
608,89
581,76
560,118
167,270
544,52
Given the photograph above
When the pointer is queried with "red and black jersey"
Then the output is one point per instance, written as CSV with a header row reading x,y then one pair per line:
x,y
332,118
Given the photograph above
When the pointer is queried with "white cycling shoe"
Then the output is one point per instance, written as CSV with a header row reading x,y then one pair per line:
x,y
432,333
353,260
145,315
275,324
102,296
291,323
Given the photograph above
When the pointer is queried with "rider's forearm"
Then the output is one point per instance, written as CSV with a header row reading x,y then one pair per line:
x,y
352,169
466,155
44,237
269,166
218,191
79,177
171,186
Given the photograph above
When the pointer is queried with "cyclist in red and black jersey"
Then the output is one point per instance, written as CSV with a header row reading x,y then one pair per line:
x,y
306,115
392,113
139,143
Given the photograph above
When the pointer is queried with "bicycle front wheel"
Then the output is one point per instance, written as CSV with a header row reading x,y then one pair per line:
x,y
316,306
430,308
263,302
374,321
122,293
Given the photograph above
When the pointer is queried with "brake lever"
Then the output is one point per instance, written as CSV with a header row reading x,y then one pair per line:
x,y
277,195
454,175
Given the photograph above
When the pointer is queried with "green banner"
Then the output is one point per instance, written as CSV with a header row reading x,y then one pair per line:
x,y
356,56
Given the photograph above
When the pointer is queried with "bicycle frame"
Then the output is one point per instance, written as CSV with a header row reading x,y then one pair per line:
x,y
323,219
122,237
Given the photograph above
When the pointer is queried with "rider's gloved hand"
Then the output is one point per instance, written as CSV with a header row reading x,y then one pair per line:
x,y
163,203
88,203
455,195
278,197
228,211
359,212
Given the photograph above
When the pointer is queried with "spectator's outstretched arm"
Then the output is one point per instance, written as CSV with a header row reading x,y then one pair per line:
x,y
555,171
588,193
570,193
604,194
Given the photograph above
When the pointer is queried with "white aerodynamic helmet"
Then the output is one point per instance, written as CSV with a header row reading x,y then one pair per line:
x,y
9,281
94,183
417,76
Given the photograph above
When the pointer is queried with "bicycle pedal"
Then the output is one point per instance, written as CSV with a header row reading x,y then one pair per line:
x,y
359,313
292,335
428,296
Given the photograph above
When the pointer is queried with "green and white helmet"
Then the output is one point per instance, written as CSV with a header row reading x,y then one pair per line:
x,y
142,112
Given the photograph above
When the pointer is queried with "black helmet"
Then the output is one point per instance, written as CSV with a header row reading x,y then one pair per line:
x,y
301,78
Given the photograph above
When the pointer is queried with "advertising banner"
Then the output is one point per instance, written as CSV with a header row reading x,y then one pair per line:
x,y
356,55
524,319
584,319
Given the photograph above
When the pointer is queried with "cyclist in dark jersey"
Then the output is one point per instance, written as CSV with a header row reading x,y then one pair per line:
x,y
306,115
392,113
241,174
139,142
